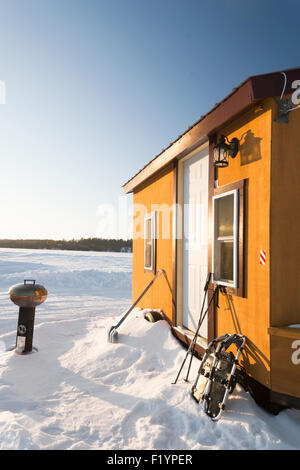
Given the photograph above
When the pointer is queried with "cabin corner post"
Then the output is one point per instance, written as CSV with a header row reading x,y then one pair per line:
x,y
174,243
211,185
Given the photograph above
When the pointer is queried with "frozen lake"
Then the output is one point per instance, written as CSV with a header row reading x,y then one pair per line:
x,y
80,392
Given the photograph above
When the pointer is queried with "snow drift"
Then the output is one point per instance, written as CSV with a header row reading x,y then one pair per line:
x,y
81,392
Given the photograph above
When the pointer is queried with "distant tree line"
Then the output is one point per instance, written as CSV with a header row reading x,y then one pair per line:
x,y
84,244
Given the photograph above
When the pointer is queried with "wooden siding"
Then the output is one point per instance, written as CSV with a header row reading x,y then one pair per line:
x,y
285,230
285,369
249,315
156,191
285,221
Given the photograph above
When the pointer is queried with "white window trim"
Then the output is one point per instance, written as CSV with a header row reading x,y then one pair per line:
x,y
233,284
152,217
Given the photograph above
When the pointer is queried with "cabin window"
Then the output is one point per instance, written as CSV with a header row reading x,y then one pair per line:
x,y
149,240
225,238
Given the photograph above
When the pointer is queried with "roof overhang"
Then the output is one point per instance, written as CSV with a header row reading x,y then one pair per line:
x,y
245,95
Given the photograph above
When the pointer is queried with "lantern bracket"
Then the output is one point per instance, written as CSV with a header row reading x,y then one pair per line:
x,y
284,107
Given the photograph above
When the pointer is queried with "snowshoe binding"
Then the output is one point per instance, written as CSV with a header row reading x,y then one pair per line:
x,y
216,377
202,379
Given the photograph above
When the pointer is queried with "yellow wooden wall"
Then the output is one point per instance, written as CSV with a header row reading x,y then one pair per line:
x,y
250,315
155,191
285,243
268,159
285,221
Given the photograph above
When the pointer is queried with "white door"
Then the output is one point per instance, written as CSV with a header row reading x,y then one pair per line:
x,y
195,196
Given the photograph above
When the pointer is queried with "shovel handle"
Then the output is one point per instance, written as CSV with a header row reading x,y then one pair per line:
x,y
160,272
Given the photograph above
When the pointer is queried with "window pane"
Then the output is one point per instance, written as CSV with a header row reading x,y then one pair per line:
x,y
224,216
148,250
148,230
148,244
226,261
226,238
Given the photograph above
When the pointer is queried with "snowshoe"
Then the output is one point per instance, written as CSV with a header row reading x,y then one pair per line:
x,y
221,378
214,398
205,369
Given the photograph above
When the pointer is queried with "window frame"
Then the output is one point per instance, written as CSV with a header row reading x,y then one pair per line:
x,y
151,216
237,188
233,238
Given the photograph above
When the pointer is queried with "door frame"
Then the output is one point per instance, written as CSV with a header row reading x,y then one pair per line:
x,y
179,233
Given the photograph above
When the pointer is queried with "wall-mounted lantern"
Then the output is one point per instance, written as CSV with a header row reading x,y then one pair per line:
x,y
223,149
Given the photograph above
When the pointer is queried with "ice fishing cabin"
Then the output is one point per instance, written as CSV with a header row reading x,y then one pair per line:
x,y
239,220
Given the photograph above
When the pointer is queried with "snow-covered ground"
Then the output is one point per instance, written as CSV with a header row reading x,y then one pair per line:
x,y
80,392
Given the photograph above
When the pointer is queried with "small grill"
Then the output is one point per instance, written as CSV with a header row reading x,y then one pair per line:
x,y
27,296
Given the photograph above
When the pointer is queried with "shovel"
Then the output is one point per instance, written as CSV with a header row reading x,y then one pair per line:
x,y
112,333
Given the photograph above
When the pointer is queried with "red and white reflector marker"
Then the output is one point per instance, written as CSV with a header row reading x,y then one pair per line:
x,y
262,257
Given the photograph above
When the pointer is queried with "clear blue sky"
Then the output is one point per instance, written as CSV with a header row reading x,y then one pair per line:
x,y
97,88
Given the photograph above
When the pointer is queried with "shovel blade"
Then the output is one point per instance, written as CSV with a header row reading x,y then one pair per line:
x,y
113,335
